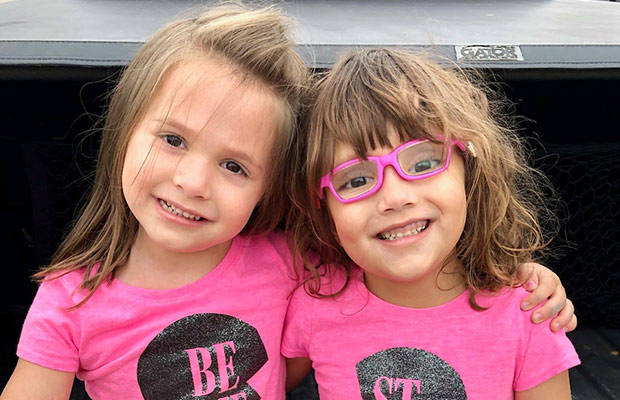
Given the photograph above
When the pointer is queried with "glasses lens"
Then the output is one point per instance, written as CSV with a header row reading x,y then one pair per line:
x,y
422,158
355,179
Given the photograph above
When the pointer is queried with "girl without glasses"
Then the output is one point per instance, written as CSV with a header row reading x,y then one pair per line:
x,y
419,206
164,288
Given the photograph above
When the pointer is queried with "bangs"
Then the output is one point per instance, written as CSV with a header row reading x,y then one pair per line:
x,y
364,124
361,98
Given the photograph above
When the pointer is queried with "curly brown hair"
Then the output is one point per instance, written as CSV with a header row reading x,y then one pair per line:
x,y
368,90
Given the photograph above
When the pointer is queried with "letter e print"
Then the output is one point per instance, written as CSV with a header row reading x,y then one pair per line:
x,y
202,356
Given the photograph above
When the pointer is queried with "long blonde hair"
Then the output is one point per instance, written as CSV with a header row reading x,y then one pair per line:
x,y
256,42
369,90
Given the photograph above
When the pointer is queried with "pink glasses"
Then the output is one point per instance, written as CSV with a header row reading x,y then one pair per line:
x,y
417,159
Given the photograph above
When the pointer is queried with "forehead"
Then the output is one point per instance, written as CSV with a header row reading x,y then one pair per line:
x,y
344,151
209,103
207,87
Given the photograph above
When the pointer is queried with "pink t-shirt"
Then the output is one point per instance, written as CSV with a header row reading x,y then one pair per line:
x,y
364,348
218,337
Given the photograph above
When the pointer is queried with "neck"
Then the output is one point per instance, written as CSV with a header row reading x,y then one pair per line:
x,y
433,290
154,267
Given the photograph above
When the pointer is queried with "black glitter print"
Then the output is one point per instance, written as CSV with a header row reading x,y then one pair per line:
x,y
203,357
404,373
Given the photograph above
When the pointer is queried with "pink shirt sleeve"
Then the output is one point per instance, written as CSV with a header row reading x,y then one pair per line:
x,y
297,326
545,355
51,334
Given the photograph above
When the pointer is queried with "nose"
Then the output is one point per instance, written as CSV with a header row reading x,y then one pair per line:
x,y
193,176
395,193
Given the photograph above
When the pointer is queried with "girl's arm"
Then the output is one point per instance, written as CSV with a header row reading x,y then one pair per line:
x,y
555,388
32,381
296,370
544,283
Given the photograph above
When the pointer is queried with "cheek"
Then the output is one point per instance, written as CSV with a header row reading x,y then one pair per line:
x,y
128,175
133,159
240,201
463,211
260,192
458,201
458,195
143,163
459,218
136,173
132,176
346,222
250,202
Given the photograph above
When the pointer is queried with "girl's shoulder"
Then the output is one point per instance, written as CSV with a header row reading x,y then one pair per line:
x,y
506,299
503,294
334,282
270,249
63,289
68,282
337,280
275,239
70,278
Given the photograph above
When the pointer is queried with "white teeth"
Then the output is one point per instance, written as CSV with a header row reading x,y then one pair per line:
x,y
176,211
413,229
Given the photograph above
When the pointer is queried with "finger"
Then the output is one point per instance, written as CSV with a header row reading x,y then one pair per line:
x,y
552,307
525,275
572,325
546,288
566,319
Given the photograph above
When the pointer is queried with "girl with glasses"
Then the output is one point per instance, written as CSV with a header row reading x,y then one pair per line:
x,y
417,205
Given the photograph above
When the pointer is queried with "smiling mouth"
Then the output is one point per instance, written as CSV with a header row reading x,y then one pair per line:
x,y
177,211
406,231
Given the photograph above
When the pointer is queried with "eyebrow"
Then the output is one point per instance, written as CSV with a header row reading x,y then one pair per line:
x,y
178,126
233,153
244,157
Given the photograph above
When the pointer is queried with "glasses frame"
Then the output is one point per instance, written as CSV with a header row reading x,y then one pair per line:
x,y
382,162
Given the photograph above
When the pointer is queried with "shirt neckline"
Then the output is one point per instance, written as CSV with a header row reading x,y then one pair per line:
x,y
190,289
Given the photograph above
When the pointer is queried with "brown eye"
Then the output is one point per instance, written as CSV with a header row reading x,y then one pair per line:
x,y
233,167
174,140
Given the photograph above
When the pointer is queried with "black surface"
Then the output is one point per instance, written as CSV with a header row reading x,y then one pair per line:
x,y
598,377
568,34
